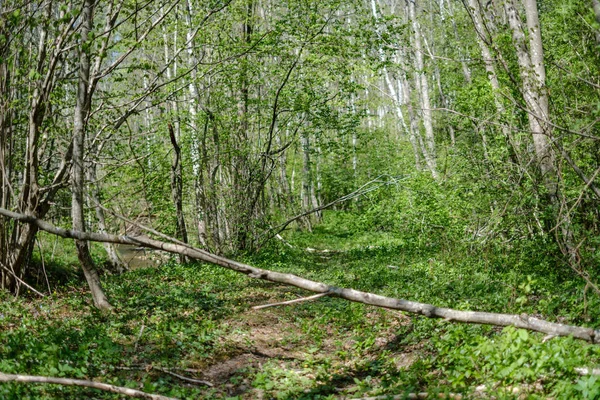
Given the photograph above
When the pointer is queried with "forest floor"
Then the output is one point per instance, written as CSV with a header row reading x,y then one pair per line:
x,y
197,321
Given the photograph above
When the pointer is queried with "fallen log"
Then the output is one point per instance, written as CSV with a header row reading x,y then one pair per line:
x,y
79,382
522,321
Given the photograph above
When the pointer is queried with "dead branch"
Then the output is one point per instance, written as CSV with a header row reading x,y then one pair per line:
x,y
283,303
368,187
21,281
167,371
79,382
420,395
523,321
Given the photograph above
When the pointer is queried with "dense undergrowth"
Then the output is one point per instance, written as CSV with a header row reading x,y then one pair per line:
x,y
195,320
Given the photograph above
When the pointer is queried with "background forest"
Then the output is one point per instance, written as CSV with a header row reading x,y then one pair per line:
x,y
441,151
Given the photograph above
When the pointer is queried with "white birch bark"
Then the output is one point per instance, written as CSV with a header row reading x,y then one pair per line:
x,y
488,60
423,89
533,76
399,99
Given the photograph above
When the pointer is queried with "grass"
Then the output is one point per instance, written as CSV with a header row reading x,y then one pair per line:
x,y
197,320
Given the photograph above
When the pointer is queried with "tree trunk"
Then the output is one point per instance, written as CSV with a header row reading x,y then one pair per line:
x,y
177,188
82,109
488,60
535,94
399,97
596,6
533,75
116,264
423,89
317,186
193,102
306,192
414,128
5,161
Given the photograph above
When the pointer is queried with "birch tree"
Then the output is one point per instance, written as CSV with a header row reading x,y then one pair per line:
x,y
422,87
533,77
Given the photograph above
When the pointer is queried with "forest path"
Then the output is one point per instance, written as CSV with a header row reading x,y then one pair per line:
x,y
270,350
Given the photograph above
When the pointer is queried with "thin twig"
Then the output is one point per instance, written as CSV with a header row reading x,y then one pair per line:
x,y
166,371
361,191
21,281
43,264
283,303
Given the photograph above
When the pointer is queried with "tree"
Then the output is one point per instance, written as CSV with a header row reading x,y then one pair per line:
x,y
81,114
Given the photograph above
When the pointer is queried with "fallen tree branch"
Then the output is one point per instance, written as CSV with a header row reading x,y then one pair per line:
x,y
523,321
167,371
79,382
420,395
283,303
587,371
325,251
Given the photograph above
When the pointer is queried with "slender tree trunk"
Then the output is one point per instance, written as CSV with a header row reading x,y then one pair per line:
x,y
438,80
354,140
423,89
306,193
22,238
177,188
284,184
596,6
316,189
414,128
193,102
535,94
488,60
116,264
428,310
5,167
533,75
82,109
399,98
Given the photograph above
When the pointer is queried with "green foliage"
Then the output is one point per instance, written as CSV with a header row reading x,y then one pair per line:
x,y
516,361
197,316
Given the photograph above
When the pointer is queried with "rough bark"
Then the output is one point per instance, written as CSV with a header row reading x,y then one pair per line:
x,y
523,321
82,109
535,95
